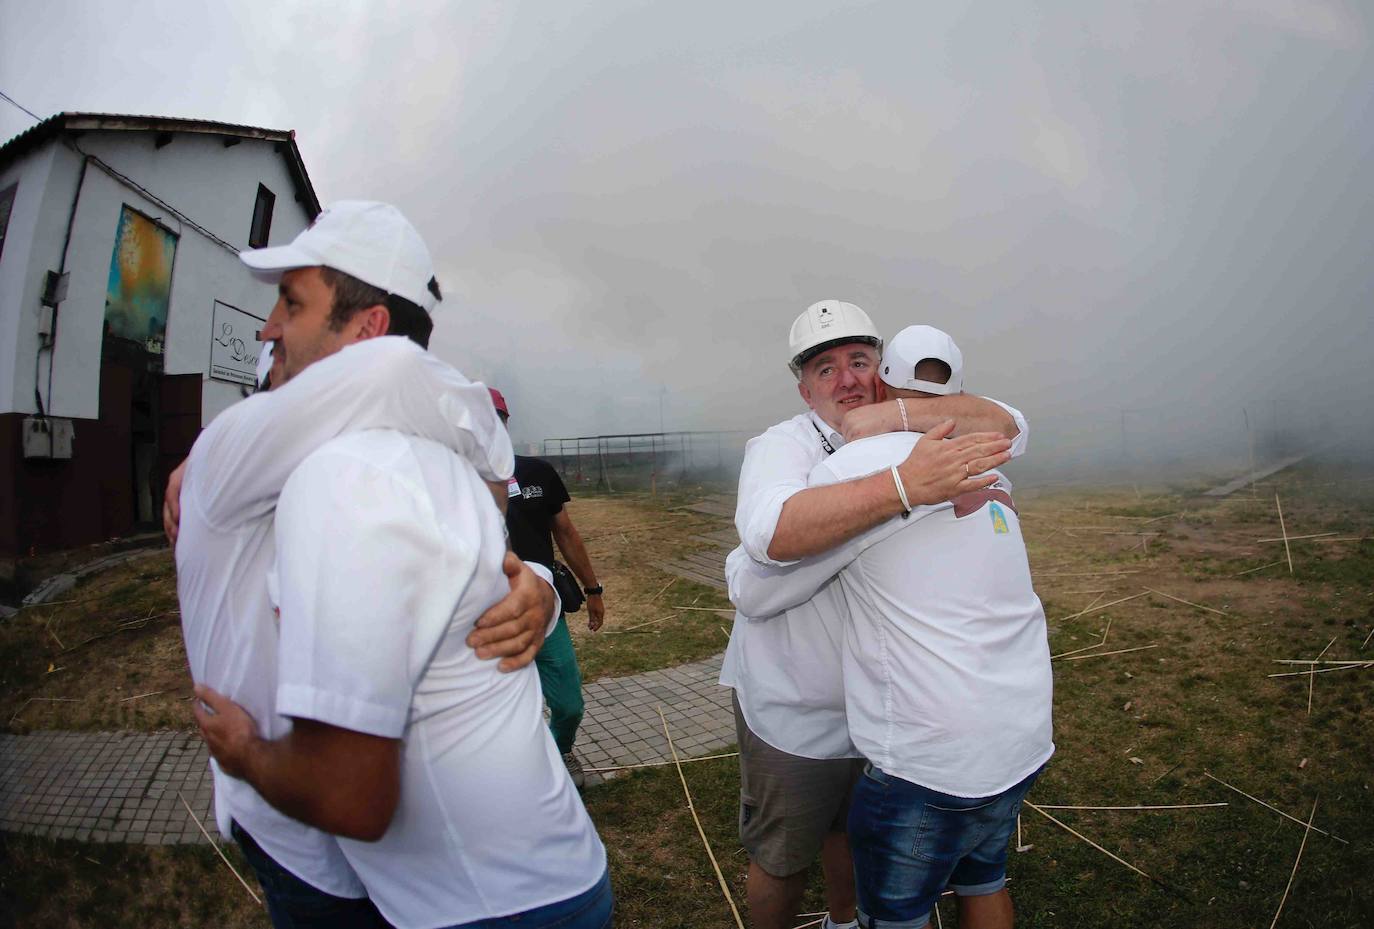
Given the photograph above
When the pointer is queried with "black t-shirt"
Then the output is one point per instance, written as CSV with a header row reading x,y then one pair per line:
x,y
536,495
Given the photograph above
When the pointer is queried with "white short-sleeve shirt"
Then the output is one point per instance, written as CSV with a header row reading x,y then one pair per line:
x,y
786,669
388,550
225,545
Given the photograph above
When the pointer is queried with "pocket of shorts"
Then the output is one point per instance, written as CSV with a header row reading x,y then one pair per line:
x,y
945,831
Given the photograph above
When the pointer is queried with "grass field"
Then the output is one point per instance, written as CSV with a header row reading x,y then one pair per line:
x,y
1192,698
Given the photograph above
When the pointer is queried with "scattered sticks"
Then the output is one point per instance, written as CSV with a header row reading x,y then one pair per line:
x,y
1359,666
1260,568
151,693
1312,678
659,764
40,700
1296,538
706,609
1274,808
1176,806
215,846
1284,529
1084,838
1086,648
1188,602
662,591
1296,862
652,622
1119,651
724,888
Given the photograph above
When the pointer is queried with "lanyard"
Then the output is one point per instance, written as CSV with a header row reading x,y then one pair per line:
x,y
825,443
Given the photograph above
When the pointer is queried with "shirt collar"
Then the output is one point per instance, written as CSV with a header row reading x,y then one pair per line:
x,y
836,440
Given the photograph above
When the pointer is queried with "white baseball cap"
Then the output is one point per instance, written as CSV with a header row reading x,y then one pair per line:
x,y
826,324
362,238
913,345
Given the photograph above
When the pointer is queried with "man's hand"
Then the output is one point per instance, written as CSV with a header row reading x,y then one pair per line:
x,y
873,419
937,471
171,503
596,612
513,630
229,732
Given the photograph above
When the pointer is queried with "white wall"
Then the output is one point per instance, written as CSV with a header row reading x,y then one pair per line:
x,y
19,289
214,186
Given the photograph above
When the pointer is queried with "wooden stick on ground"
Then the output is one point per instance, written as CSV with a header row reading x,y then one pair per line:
x,y
1260,568
1177,806
1367,638
215,846
1085,609
40,700
1286,550
1084,838
662,591
1296,538
1344,667
1274,808
151,693
1296,862
1188,602
659,764
723,632
1097,609
706,609
691,808
1087,648
1312,678
652,622
1119,651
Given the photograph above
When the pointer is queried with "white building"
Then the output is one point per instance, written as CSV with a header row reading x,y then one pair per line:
x,y
126,320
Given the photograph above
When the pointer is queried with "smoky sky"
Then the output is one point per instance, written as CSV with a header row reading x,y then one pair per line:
x,y
1142,222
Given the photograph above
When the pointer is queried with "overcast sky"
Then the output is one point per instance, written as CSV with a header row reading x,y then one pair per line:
x,y
1159,207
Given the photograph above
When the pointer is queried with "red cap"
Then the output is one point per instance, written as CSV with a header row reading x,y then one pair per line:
x,y
498,401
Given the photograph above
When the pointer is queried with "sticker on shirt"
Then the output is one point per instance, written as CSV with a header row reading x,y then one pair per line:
x,y
532,491
512,488
999,519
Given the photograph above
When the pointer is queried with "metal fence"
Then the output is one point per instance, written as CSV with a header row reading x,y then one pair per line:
x,y
646,460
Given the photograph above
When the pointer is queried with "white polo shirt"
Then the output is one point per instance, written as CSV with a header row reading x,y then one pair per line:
x,y
946,661
388,550
225,545
786,670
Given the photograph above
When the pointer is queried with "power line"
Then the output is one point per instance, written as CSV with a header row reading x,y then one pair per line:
x,y
14,102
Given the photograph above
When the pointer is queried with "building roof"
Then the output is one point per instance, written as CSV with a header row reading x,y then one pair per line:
x,y
74,124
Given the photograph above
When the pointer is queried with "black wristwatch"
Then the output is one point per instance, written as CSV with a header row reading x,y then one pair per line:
x,y
593,591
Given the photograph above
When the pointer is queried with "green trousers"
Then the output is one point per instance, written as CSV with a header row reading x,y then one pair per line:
x,y
562,682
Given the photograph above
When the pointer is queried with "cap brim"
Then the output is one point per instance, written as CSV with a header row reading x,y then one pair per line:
x,y
270,263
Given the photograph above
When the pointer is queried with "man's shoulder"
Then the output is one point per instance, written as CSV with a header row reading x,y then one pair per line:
x,y
865,456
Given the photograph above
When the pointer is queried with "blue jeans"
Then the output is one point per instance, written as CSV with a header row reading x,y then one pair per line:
x,y
910,843
590,909
294,904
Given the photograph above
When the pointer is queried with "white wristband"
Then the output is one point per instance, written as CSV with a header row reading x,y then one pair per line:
x,y
901,408
901,492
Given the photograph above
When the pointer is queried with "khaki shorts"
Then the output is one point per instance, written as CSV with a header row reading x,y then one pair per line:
x,y
788,804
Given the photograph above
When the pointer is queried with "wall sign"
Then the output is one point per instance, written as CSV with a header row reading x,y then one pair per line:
x,y
234,345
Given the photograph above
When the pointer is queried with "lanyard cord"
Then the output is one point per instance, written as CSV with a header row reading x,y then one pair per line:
x,y
825,443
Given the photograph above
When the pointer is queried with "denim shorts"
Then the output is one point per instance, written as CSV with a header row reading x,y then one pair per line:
x,y
294,904
910,843
591,909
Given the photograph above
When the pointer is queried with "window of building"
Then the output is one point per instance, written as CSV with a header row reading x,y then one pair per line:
x,y
262,218
6,205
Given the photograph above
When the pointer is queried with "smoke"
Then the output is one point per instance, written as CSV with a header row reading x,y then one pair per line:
x,y
1145,224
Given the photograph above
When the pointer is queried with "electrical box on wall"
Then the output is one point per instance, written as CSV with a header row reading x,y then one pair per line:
x,y
47,437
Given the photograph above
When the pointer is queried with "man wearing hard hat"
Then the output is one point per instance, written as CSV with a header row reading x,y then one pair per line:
x,y
947,683
797,763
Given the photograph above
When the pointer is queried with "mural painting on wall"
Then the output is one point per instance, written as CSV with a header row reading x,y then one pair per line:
x,y
140,286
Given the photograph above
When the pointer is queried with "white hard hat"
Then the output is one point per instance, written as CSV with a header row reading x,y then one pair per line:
x,y
826,324
913,345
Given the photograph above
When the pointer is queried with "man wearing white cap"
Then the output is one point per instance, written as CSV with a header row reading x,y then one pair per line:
x,y
384,549
947,682
796,759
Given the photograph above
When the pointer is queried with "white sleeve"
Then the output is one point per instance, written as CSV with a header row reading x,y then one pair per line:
x,y
365,593
759,591
775,467
1018,444
243,459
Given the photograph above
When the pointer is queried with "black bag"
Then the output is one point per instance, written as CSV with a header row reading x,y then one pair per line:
x,y
569,591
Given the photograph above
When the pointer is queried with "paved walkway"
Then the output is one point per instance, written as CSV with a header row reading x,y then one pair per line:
x,y
127,786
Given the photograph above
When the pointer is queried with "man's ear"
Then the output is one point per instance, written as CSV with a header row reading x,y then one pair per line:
x,y
372,322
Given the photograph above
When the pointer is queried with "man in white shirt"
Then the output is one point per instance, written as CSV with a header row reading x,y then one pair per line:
x,y
796,759
947,678
222,528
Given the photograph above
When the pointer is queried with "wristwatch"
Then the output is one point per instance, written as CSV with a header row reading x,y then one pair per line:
x,y
593,591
